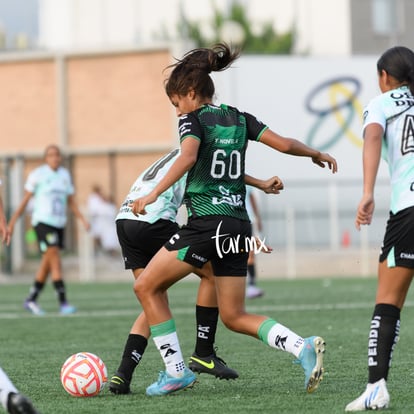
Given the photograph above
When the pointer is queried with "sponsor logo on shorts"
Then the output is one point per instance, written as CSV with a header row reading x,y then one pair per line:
x,y
51,238
199,258
409,256
174,238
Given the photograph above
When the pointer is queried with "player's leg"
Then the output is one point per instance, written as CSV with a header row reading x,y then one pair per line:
x,y
57,280
308,351
393,285
134,349
10,398
139,242
395,273
252,290
55,244
162,272
204,358
42,272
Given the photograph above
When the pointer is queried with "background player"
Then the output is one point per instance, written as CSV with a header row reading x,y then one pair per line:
x,y
52,189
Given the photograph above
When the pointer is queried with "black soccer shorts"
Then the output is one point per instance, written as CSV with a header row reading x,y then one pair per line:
x,y
225,241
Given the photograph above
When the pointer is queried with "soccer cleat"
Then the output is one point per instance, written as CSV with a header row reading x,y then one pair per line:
x,y
66,309
33,307
19,404
311,360
212,365
167,384
118,384
253,292
375,397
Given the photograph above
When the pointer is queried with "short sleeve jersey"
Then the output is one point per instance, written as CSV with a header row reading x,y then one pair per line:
x,y
50,189
215,184
394,111
167,203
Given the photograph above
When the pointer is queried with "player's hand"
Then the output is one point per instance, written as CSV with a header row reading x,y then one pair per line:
x,y
87,225
272,185
138,205
323,158
5,234
365,211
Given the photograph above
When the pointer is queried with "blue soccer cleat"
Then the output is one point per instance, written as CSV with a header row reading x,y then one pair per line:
x,y
66,309
167,384
311,360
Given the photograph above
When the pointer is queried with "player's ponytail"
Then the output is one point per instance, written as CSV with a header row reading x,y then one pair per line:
x,y
221,57
192,71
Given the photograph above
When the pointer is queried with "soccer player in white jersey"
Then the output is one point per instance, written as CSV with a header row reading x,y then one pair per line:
x,y
53,191
10,398
389,129
140,237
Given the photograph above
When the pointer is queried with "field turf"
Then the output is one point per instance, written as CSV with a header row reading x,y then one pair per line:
x,y
34,348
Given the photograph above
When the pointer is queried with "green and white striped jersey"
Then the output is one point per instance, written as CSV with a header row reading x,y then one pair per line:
x,y
215,184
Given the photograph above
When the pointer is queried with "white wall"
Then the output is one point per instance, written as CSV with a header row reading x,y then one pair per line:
x,y
276,89
322,26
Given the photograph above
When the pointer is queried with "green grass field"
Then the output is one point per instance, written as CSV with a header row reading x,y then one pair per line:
x,y
34,348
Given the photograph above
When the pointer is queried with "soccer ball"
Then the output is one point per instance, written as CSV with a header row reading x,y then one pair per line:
x,y
83,375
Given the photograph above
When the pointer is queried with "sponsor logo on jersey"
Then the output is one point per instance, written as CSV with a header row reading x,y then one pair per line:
x,y
235,200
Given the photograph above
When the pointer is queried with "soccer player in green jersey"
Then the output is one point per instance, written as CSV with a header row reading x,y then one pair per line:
x,y
213,144
140,238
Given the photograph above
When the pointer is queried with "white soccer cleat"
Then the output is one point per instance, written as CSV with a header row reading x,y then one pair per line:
x,y
375,397
253,292
33,307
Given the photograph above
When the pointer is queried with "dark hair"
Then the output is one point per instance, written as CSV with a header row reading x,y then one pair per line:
x,y
192,71
399,63
51,146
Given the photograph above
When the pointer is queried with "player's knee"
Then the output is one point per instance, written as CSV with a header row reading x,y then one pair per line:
x,y
140,288
231,321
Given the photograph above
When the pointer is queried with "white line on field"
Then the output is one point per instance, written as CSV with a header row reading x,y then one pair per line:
x,y
190,310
